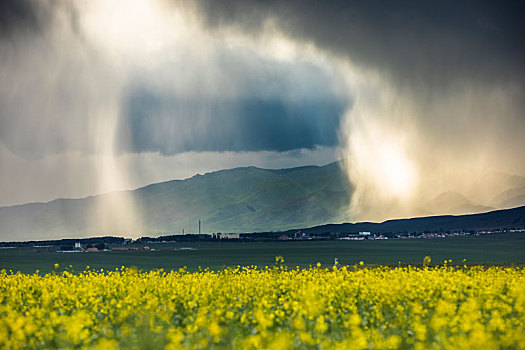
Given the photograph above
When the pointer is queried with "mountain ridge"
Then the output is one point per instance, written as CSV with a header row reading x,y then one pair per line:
x,y
244,199
237,200
494,219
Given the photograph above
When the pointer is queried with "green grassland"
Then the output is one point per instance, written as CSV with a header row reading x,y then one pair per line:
x,y
490,249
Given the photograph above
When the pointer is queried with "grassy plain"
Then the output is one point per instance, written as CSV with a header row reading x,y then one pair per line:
x,y
490,249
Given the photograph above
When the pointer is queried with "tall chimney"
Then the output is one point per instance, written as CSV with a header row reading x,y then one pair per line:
x,y
199,227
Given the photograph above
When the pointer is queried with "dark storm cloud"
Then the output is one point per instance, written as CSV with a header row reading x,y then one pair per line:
x,y
39,89
256,104
22,15
251,104
423,44
430,41
439,86
32,18
173,125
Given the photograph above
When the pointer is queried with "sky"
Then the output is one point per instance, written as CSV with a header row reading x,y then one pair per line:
x,y
418,97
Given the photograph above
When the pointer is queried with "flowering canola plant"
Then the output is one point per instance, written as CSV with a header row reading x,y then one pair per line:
x,y
353,307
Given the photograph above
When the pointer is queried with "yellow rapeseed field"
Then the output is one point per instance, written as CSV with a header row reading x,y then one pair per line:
x,y
354,307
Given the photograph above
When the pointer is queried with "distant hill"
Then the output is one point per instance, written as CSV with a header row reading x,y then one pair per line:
x,y
245,199
236,200
498,219
496,189
454,203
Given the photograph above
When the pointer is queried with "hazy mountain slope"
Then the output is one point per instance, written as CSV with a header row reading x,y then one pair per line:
x,y
487,191
485,187
451,202
247,199
235,200
511,198
512,202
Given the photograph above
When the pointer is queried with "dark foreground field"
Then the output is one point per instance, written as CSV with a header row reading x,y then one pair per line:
x,y
491,249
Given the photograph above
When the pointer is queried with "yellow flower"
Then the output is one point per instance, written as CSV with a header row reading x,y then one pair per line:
x,y
214,329
321,325
248,307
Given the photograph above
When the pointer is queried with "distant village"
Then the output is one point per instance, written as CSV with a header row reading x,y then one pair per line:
x,y
111,243
316,236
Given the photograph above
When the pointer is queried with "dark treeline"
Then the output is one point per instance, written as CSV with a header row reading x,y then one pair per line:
x,y
507,220
66,242
243,237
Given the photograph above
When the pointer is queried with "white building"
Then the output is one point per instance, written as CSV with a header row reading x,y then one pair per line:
x,y
229,236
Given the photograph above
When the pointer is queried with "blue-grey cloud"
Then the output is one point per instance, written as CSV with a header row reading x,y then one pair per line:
x,y
228,99
173,125
252,104
170,124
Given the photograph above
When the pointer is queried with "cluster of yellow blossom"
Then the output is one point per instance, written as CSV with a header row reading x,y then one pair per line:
x,y
249,307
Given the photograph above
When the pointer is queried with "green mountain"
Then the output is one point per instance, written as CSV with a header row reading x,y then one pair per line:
x,y
247,199
236,200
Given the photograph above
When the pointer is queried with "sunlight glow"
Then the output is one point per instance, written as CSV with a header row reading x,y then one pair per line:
x,y
395,170
133,27
380,159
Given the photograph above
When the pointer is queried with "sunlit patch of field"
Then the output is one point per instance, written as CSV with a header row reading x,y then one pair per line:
x,y
350,307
